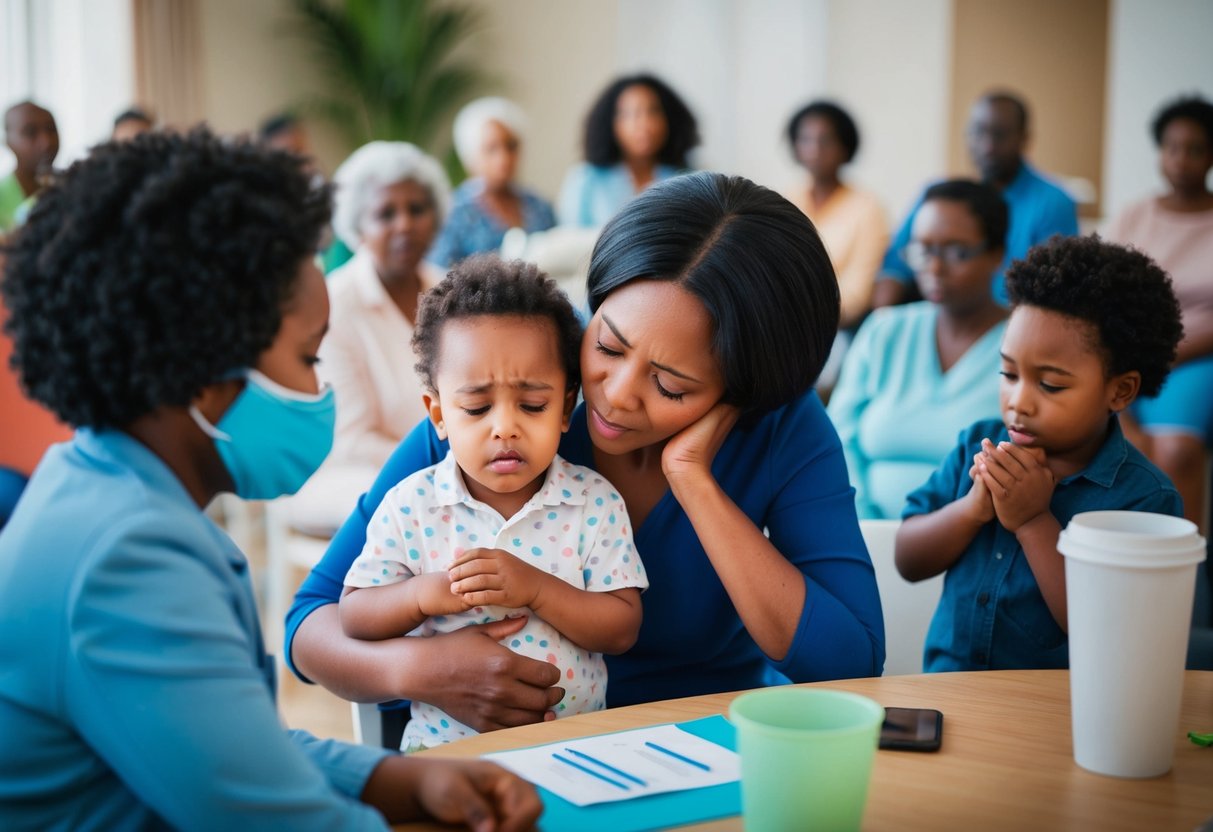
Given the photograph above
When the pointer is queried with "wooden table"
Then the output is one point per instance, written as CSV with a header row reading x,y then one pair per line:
x,y
1006,760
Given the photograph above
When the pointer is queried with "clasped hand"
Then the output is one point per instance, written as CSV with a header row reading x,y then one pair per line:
x,y
484,577
1012,483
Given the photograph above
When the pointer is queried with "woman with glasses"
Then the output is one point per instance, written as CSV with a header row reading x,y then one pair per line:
x,y
917,374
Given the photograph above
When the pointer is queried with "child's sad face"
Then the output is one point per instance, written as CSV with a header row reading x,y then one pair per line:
x,y
1056,394
502,400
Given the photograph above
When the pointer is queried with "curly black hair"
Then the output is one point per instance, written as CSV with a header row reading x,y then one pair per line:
x,y
1119,290
1194,108
600,145
484,284
844,126
154,267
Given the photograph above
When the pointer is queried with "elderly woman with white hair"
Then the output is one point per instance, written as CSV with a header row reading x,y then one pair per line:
x,y
389,205
488,139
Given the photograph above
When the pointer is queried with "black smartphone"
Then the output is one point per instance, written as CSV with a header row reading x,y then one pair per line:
x,y
911,729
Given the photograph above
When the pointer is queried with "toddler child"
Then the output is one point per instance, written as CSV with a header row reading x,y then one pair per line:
x,y
1093,325
502,526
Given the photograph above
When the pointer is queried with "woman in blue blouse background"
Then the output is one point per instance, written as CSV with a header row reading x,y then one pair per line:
x,y
714,306
163,299
638,133
489,133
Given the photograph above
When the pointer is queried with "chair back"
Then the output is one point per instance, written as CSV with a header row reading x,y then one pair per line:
x,y
908,607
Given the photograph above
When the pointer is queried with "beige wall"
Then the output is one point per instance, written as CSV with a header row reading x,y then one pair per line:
x,y
746,65
252,68
1055,55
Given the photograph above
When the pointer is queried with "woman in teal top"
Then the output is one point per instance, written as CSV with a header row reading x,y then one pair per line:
x,y
916,374
638,133
163,300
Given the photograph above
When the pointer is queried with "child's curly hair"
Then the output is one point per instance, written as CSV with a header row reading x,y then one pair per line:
x,y
1119,290
485,284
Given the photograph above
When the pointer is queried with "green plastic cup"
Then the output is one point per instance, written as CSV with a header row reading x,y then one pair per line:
x,y
806,757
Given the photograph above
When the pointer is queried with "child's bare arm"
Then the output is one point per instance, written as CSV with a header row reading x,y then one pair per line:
x,y
378,612
928,544
1021,486
601,622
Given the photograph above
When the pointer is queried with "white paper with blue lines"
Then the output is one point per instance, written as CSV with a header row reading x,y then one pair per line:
x,y
623,766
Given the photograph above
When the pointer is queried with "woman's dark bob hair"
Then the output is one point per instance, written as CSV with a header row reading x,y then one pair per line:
x,y
153,268
754,261
602,149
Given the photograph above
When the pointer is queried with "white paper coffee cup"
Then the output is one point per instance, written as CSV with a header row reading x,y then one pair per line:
x,y
1130,581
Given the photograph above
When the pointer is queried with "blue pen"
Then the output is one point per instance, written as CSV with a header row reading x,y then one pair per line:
x,y
678,756
591,772
607,766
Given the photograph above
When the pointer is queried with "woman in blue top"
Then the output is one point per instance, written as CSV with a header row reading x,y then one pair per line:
x,y
488,138
917,374
163,300
714,306
638,132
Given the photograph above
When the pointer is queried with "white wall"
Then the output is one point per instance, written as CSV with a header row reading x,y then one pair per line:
x,y
890,65
1158,50
73,57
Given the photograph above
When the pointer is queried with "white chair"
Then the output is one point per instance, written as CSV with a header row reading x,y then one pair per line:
x,y
908,607
288,553
368,723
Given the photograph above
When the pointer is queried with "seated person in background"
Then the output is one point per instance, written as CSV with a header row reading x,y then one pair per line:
x,y
997,136
33,137
638,132
1092,326
390,202
1176,229
917,374
502,526
851,222
488,137
131,123
136,691
284,131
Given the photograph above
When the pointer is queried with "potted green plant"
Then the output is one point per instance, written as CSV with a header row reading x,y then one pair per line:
x,y
392,67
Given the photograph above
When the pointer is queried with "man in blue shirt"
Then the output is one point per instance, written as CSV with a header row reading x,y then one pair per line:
x,y
997,135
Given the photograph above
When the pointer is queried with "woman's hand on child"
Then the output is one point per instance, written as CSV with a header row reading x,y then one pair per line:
x,y
486,577
484,684
1020,483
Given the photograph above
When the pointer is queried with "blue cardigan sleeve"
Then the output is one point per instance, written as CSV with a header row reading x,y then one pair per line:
x,y
159,683
420,449
812,522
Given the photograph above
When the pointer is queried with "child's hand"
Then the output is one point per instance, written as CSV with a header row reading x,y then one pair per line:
x,y
434,595
980,504
493,576
1020,483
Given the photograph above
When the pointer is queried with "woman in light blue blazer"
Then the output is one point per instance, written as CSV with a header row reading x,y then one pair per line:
x,y
163,300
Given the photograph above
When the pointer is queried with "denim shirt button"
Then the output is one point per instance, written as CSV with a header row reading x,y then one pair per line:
x,y
983,599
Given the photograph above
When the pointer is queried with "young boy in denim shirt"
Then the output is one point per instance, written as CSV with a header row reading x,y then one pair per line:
x,y
1093,326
